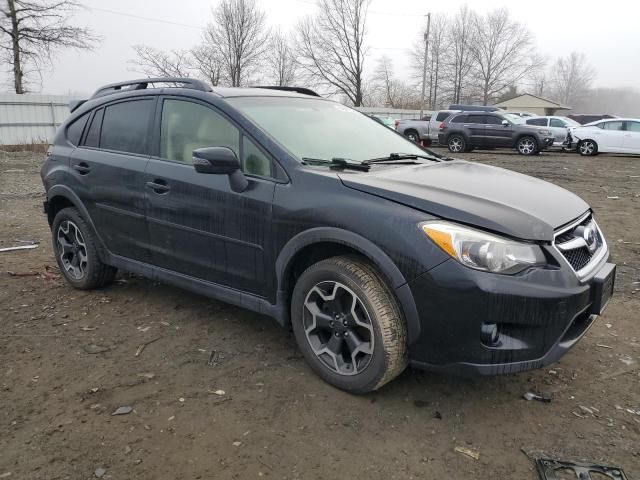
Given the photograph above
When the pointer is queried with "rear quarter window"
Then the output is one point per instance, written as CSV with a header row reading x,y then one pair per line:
x,y
459,119
75,129
93,134
442,116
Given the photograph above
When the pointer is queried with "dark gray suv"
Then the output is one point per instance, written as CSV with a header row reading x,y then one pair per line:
x,y
469,130
375,252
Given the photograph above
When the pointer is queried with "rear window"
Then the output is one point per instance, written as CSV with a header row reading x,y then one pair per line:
x,y
125,126
476,119
74,131
459,119
540,122
493,120
442,116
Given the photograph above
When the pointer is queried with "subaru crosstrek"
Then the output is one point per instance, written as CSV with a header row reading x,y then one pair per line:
x,y
376,252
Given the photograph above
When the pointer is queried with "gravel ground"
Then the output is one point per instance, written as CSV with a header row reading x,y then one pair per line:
x,y
220,392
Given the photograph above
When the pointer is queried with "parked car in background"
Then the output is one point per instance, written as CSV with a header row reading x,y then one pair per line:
x,y
415,130
384,120
466,131
473,108
586,119
516,113
437,120
620,135
560,127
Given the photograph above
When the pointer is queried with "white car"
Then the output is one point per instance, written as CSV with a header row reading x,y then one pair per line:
x,y
616,135
561,127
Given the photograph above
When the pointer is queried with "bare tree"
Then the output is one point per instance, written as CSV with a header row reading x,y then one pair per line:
x,y
158,63
31,31
240,34
572,77
208,63
388,91
281,62
460,39
503,52
331,47
436,59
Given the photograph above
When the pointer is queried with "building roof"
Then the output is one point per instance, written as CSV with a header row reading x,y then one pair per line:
x,y
527,99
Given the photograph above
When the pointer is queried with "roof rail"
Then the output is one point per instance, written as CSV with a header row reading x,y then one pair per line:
x,y
303,90
143,83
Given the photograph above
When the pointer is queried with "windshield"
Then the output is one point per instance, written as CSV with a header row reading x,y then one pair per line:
x,y
314,128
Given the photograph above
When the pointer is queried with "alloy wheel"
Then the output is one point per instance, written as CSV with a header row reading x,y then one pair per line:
x,y
338,328
587,148
526,146
72,249
455,145
413,137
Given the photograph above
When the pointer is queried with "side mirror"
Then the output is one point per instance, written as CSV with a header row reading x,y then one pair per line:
x,y
505,123
220,161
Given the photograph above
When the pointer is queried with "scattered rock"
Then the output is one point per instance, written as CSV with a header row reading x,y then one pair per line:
x,y
534,396
92,349
127,450
99,473
437,415
124,410
217,392
237,444
147,375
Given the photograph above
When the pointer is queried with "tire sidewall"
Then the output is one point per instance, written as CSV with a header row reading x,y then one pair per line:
x,y
93,261
358,383
535,150
412,136
593,152
462,140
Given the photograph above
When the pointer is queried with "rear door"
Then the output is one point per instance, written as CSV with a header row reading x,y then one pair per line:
x,y
631,143
475,126
198,226
109,166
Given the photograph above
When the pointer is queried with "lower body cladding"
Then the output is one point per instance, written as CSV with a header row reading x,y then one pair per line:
x,y
479,323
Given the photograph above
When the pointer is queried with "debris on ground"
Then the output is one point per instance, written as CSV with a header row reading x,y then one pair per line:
x,y
602,346
23,274
124,410
237,444
143,345
214,358
550,469
99,473
534,396
19,247
217,392
468,452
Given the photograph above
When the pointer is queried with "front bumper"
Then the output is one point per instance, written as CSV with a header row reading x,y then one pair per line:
x,y
539,314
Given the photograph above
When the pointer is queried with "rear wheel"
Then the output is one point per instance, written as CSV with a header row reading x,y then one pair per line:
x,y
587,148
76,249
456,144
348,325
527,146
412,135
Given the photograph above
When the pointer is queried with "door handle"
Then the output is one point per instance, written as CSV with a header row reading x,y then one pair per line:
x,y
82,168
159,186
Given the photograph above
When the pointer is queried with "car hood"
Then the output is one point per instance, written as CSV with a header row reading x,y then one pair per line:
x,y
479,195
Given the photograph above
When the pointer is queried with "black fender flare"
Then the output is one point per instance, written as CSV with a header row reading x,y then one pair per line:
x,y
367,248
69,194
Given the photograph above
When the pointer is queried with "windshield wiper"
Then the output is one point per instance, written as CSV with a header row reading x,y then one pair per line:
x,y
401,158
341,163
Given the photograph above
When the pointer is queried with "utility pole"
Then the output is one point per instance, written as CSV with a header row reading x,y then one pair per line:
x,y
424,66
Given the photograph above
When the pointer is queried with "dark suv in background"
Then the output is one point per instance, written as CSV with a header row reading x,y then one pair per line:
x,y
375,252
467,131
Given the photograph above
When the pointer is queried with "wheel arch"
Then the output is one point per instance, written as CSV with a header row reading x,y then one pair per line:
x,y
311,246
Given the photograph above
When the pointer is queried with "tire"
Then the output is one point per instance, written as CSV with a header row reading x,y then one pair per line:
x,y
77,252
356,353
587,148
412,135
527,145
456,143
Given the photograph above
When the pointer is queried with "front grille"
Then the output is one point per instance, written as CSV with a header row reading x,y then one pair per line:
x,y
574,251
578,258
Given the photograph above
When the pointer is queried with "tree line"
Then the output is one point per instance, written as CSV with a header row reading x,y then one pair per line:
x,y
472,57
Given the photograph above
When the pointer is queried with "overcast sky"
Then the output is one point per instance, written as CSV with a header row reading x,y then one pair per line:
x,y
606,31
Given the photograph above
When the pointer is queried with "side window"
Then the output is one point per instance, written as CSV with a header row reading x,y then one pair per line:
x,y
93,135
556,122
254,162
493,120
74,131
613,125
540,122
459,119
125,126
633,126
442,116
187,126
476,119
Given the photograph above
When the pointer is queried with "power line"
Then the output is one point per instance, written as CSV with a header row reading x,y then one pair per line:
x,y
140,17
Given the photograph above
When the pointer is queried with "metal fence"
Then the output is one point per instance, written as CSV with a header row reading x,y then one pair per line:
x,y
29,119
396,113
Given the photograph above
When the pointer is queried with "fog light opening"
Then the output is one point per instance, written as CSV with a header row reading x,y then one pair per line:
x,y
490,334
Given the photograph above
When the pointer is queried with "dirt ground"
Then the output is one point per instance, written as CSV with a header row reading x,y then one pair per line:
x,y
220,392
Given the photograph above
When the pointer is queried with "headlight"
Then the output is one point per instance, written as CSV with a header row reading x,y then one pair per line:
x,y
483,251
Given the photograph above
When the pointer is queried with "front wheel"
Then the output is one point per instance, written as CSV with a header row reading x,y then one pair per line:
x,y
348,325
587,148
527,146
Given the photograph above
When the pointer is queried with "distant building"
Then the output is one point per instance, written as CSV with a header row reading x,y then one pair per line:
x,y
531,103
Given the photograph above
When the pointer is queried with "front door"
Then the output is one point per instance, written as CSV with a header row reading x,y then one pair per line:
x,y
497,134
198,226
109,166
559,130
612,137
